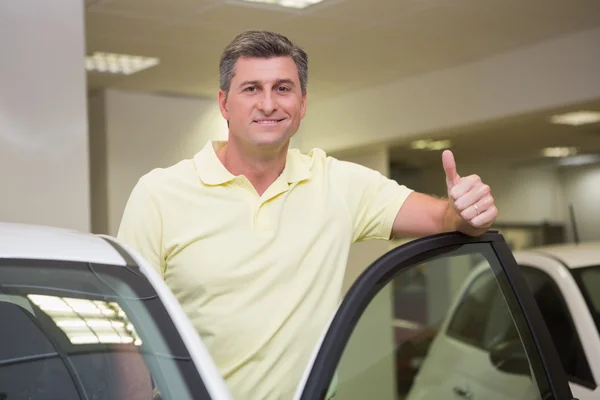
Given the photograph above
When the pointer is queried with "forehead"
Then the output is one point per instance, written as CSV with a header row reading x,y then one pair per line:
x,y
265,69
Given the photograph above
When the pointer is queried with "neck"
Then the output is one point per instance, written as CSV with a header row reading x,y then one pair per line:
x,y
260,166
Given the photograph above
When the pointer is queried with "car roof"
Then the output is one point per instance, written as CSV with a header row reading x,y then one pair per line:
x,y
572,255
27,241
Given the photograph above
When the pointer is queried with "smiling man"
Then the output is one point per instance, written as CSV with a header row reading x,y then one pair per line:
x,y
253,237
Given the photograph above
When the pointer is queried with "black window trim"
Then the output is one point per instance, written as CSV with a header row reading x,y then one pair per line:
x,y
382,271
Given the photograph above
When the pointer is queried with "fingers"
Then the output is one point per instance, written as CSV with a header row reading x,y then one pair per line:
x,y
469,192
486,218
465,185
449,164
469,212
469,196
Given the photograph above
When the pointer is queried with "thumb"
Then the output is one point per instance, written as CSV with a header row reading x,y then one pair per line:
x,y
449,164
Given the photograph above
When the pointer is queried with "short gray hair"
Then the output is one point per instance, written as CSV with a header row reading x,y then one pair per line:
x,y
260,44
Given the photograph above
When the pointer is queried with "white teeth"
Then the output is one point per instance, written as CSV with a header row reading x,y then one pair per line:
x,y
267,122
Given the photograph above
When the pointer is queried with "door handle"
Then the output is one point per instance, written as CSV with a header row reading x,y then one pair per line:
x,y
463,391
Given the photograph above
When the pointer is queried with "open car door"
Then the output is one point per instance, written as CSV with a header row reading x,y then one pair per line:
x,y
474,333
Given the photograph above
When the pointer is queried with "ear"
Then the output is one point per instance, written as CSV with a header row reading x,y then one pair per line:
x,y
223,104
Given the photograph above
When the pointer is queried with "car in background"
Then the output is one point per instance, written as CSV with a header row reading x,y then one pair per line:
x,y
565,283
85,317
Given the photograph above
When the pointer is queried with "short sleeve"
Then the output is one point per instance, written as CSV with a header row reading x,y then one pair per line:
x,y
372,199
141,227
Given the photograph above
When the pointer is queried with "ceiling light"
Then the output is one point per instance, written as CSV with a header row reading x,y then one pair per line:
x,y
559,151
287,3
576,118
427,144
120,64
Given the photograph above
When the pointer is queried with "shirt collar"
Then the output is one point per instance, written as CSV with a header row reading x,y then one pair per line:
x,y
296,167
209,167
212,172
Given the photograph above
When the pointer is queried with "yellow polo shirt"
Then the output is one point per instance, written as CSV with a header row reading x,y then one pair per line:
x,y
259,276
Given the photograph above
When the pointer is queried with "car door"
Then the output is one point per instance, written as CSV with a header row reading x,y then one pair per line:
x,y
356,358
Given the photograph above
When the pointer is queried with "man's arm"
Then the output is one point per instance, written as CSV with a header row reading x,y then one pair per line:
x,y
470,207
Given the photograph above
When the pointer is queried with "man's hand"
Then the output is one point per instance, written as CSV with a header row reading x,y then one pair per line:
x,y
469,198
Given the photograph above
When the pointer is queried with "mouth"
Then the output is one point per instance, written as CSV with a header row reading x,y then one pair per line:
x,y
268,121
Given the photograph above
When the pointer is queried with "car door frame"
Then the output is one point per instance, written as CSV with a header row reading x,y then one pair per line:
x,y
320,371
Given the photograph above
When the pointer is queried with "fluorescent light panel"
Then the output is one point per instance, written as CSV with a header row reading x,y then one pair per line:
x,y
299,4
431,144
576,118
559,152
118,64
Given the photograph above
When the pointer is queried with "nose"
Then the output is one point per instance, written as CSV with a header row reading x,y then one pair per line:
x,y
267,103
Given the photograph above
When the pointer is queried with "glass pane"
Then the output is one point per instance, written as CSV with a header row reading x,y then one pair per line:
x,y
439,330
88,332
589,279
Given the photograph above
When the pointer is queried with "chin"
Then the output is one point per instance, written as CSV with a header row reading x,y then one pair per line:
x,y
272,138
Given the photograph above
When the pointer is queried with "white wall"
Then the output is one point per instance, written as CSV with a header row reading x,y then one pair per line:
x,y
43,122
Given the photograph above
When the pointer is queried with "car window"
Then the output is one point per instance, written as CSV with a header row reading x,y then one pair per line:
x,y
558,319
482,318
468,322
588,279
83,331
488,355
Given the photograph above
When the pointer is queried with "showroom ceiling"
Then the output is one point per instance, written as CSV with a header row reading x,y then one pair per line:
x,y
351,44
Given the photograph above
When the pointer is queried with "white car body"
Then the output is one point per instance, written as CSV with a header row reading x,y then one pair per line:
x,y
454,366
48,243
556,261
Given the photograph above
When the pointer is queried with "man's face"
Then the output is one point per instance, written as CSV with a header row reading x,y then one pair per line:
x,y
265,103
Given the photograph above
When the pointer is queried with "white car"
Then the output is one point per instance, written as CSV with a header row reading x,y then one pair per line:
x,y
477,349
83,317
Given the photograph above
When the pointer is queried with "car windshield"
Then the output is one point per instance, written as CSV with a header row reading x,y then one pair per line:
x,y
588,279
86,331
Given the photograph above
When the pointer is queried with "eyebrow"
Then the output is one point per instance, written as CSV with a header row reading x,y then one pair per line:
x,y
277,82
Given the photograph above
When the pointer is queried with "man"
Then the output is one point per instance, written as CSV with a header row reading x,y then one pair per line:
x,y
253,238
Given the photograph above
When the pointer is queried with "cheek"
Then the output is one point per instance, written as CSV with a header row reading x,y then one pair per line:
x,y
239,110
293,107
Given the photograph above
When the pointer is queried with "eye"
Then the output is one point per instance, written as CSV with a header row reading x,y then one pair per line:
x,y
283,89
250,89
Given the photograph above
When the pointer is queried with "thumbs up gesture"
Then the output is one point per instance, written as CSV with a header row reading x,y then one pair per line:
x,y
469,197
